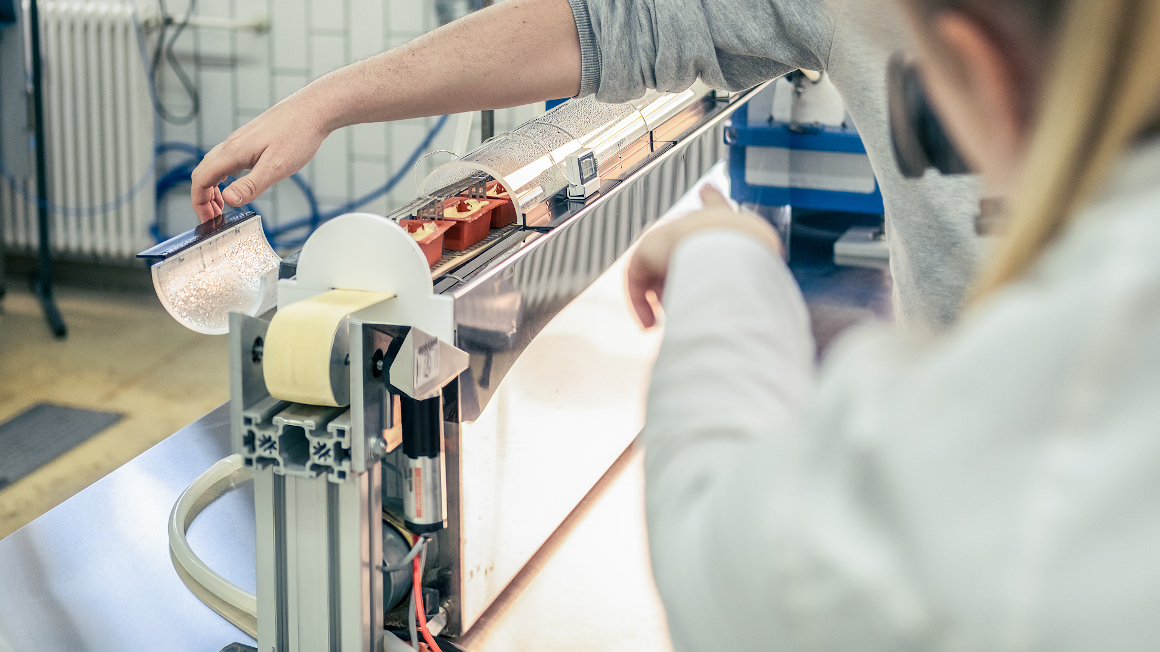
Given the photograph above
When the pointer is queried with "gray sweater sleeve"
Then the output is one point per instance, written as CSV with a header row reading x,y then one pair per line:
x,y
630,46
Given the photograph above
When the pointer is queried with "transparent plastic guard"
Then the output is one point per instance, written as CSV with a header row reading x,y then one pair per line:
x,y
529,161
233,271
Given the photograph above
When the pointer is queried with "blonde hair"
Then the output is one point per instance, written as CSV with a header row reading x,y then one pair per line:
x,y
1103,93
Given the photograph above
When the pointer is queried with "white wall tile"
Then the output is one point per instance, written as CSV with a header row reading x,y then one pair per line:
x,y
332,167
253,72
327,14
215,8
400,196
176,213
288,33
405,136
291,203
329,53
330,204
444,140
242,74
370,140
214,47
217,105
184,133
370,176
395,39
242,117
286,84
246,9
368,33
408,16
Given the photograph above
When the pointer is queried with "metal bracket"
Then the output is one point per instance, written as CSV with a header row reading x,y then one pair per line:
x,y
477,190
425,364
432,211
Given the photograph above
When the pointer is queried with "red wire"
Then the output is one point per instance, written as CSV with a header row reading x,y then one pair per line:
x,y
420,612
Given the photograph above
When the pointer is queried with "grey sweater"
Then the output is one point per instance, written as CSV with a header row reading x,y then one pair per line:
x,y
629,46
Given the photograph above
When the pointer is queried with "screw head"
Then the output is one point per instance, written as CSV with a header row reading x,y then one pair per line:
x,y
377,448
377,363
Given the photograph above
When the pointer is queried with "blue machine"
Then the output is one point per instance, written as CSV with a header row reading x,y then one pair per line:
x,y
794,145
809,191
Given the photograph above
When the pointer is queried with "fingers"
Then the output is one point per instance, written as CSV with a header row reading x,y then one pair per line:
x,y
245,190
640,284
712,198
211,207
206,198
641,306
207,203
213,170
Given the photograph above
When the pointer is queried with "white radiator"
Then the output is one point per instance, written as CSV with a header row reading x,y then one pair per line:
x,y
99,128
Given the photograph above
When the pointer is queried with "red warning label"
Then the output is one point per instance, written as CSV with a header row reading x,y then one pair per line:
x,y
418,472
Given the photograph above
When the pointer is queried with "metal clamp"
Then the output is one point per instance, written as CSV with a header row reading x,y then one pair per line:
x,y
432,211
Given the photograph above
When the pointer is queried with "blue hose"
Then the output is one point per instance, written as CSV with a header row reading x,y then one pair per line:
x,y
75,211
365,199
91,211
181,173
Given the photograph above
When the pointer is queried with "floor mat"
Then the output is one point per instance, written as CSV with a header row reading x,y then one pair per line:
x,y
42,433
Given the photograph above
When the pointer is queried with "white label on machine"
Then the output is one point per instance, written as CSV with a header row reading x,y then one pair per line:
x,y
426,357
784,168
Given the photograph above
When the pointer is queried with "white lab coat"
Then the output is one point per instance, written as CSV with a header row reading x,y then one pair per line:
x,y
995,489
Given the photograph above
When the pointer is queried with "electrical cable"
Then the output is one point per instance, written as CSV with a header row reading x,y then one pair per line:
x,y
420,613
405,562
446,644
186,83
412,628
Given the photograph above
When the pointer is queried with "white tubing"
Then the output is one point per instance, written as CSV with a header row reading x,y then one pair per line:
x,y
229,601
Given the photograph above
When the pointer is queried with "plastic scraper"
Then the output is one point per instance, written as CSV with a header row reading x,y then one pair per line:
x,y
224,265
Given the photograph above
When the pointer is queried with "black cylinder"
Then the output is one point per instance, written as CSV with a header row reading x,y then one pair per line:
x,y
422,426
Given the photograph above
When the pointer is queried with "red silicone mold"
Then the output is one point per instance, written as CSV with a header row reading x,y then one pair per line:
x,y
431,245
505,213
472,219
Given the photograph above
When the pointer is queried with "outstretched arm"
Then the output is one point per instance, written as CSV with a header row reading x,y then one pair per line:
x,y
514,53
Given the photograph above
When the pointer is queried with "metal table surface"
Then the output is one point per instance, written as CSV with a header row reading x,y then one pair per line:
x,y
94,573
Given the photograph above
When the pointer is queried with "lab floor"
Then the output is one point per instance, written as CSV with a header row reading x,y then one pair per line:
x,y
123,354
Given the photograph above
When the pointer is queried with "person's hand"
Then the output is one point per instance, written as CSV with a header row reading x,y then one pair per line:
x,y
649,265
273,146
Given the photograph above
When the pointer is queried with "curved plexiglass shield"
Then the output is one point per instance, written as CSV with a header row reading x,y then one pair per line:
x,y
530,160
234,271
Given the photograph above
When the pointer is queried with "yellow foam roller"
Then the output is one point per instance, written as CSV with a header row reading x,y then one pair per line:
x,y
303,342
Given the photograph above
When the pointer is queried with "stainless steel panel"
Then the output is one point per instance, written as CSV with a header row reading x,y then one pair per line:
x,y
94,573
503,307
559,369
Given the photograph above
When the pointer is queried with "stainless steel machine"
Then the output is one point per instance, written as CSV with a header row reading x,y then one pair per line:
x,y
443,395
